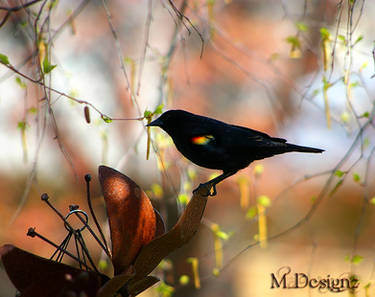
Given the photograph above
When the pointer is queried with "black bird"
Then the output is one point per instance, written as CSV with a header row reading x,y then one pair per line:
x,y
217,145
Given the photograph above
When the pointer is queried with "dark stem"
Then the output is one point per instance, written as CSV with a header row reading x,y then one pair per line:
x,y
63,245
78,253
92,233
106,249
45,198
31,232
85,252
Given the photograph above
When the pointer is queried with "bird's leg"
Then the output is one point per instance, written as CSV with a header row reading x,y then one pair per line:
x,y
213,182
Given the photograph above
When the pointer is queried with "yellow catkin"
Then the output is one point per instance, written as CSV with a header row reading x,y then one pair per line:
x,y
295,52
367,290
326,62
218,246
148,139
24,145
348,89
195,268
243,183
42,51
325,51
326,106
218,253
262,226
211,17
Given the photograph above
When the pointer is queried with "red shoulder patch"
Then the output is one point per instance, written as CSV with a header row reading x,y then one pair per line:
x,y
202,140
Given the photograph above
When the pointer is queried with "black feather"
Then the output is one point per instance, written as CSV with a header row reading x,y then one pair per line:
x,y
217,145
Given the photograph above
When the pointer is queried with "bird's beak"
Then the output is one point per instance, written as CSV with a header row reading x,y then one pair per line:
x,y
158,122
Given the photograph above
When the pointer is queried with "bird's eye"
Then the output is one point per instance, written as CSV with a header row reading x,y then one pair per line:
x,y
202,140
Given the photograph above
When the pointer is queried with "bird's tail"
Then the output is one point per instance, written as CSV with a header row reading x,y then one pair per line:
x,y
304,149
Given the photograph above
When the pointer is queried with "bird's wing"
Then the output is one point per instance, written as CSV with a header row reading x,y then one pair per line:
x,y
257,135
214,134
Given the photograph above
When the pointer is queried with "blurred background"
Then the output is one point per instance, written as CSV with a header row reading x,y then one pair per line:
x,y
300,70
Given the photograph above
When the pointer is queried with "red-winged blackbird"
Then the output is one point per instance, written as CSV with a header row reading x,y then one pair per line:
x,y
216,145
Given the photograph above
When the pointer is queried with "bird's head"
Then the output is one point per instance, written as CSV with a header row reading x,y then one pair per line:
x,y
169,120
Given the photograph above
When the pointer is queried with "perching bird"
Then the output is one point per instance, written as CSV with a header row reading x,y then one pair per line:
x,y
216,145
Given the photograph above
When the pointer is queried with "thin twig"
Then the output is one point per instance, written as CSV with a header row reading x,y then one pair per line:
x,y
10,10
103,115
105,247
120,55
145,45
321,195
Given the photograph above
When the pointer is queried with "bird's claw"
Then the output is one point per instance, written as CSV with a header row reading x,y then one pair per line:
x,y
213,192
209,189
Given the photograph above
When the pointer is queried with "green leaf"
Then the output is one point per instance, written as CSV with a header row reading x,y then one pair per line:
x,y
47,66
294,41
335,188
366,143
326,84
365,114
354,84
339,173
223,235
324,33
356,177
103,265
158,109
372,200
302,27
356,259
367,286
32,110
342,38
22,125
183,198
164,290
157,190
264,200
358,39
106,119
53,4
4,59
315,92
20,82
251,213
147,114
